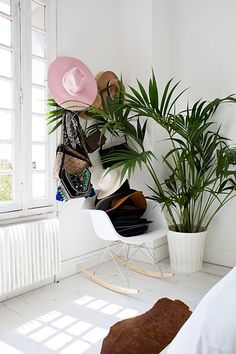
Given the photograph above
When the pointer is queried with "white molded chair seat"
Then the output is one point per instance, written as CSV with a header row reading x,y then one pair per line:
x,y
105,230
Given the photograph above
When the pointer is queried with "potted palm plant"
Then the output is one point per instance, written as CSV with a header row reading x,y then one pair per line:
x,y
200,180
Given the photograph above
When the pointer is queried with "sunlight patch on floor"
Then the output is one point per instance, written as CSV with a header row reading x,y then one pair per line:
x,y
67,334
79,328
78,347
111,309
8,349
58,341
63,322
97,304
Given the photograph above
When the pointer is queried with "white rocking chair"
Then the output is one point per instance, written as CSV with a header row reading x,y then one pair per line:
x,y
105,230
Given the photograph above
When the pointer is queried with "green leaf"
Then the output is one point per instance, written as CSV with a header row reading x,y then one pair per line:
x,y
153,92
143,92
137,95
164,96
53,120
55,127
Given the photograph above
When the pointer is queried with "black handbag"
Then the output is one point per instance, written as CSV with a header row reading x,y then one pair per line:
x,y
94,141
105,153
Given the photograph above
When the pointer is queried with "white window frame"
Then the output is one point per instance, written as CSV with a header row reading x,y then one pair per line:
x,y
25,206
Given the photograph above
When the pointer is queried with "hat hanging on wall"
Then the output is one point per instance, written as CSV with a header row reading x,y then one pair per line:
x,y
108,84
69,79
109,183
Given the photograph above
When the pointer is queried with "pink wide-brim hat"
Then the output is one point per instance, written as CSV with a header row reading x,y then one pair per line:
x,y
69,79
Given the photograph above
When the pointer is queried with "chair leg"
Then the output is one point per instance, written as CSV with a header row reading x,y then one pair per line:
x,y
154,259
112,254
127,251
91,275
156,262
102,257
127,256
150,273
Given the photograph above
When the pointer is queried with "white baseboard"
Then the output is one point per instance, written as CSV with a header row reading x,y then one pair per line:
x,y
221,257
71,266
26,289
162,251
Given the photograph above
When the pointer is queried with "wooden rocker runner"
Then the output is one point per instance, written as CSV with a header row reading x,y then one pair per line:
x,y
140,270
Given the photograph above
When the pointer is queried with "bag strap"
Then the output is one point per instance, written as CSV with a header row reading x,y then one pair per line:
x,y
76,128
81,135
62,129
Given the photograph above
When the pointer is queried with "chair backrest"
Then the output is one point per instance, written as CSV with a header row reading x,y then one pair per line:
x,y
102,225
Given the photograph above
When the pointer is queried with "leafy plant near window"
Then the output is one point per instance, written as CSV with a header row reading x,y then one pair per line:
x,y
200,181
54,115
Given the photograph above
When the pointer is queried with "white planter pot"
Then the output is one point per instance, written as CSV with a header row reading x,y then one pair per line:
x,y
186,250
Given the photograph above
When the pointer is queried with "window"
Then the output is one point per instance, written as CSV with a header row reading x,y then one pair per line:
x,y
26,151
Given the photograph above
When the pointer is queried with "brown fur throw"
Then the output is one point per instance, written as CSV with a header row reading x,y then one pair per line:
x,y
149,333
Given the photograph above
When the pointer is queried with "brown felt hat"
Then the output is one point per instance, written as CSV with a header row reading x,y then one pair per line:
x,y
108,84
137,198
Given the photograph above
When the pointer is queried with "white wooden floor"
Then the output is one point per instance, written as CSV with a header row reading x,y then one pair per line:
x,y
73,316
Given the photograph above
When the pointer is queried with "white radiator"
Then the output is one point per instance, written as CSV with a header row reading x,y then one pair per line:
x,y
29,253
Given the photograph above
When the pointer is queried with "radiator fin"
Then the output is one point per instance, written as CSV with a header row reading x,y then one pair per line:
x,y
29,253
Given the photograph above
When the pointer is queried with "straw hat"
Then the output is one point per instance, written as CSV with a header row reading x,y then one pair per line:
x,y
109,183
108,84
69,79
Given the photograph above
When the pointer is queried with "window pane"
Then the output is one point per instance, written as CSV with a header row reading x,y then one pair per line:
x,y
38,72
5,125
38,100
5,6
5,31
39,185
38,128
5,94
6,63
38,15
38,44
38,157
5,157
5,188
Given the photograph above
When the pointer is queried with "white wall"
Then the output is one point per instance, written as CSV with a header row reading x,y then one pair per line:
x,y
162,40
106,35
161,56
202,54
191,40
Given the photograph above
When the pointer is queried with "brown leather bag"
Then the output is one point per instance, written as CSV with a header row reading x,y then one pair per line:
x,y
94,141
